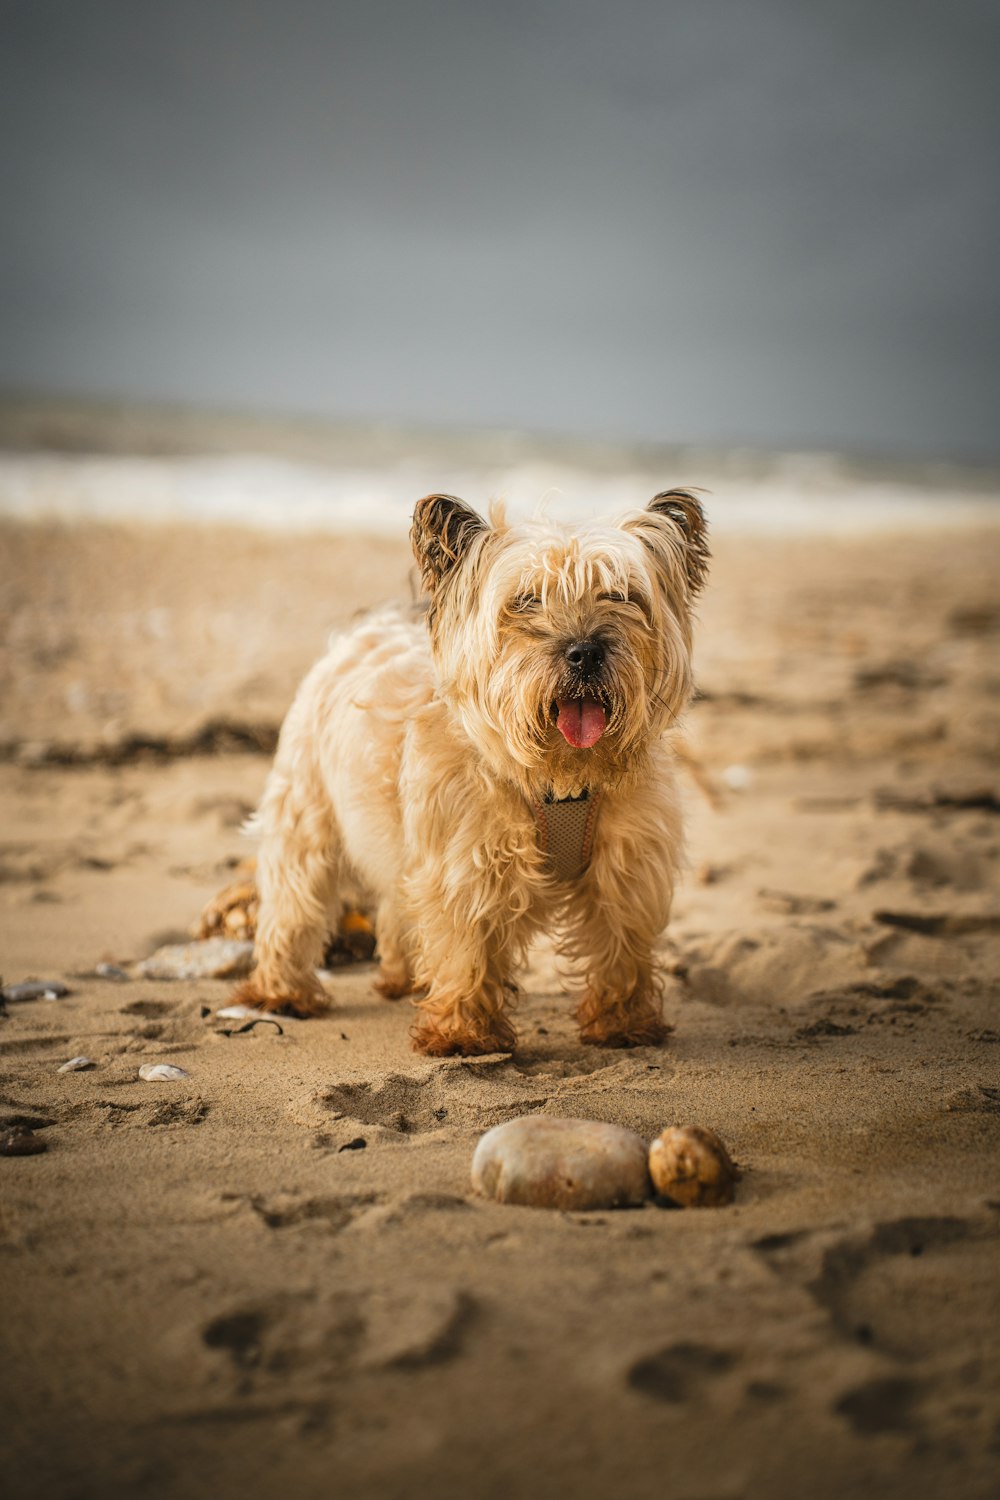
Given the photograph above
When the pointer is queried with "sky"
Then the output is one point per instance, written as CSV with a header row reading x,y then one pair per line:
x,y
732,222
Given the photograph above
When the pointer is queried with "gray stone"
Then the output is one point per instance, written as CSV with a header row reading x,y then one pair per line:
x,y
34,989
570,1164
215,958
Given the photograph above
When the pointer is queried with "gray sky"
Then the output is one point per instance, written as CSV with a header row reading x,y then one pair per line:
x,y
759,221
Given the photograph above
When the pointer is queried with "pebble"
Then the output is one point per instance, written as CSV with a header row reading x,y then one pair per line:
x,y
20,1141
34,990
569,1164
738,778
112,972
215,958
162,1073
77,1065
690,1165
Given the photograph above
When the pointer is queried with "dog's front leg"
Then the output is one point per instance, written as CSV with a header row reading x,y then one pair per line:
x,y
464,1010
617,911
473,911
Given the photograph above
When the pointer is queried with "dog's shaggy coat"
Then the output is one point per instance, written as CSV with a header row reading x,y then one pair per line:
x,y
549,662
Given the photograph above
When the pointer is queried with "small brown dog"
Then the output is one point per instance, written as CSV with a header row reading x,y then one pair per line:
x,y
496,764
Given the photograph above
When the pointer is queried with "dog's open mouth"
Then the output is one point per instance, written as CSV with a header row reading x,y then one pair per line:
x,y
580,721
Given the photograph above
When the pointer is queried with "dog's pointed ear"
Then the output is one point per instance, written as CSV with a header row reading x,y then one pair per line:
x,y
680,512
444,528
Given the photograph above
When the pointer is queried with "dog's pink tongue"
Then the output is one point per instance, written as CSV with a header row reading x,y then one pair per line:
x,y
580,722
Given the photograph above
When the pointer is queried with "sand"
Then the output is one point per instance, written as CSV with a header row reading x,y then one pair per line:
x,y
272,1277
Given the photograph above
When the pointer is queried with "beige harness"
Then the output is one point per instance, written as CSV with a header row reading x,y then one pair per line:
x,y
566,832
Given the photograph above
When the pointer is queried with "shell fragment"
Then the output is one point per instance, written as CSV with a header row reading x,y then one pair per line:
x,y
162,1073
48,989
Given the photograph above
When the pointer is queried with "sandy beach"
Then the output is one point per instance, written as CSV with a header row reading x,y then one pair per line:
x,y
272,1277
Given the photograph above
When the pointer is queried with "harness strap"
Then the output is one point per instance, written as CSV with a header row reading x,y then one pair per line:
x,y
566,832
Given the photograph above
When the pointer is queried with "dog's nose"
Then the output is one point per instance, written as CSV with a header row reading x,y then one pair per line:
x,y
585,656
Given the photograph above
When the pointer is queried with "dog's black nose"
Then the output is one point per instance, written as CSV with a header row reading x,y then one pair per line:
x,y
585,656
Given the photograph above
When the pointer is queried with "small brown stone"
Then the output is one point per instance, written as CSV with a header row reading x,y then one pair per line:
x,y
690,1165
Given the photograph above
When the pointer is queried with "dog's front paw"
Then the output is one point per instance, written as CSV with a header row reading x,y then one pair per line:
x,y
464,1039
631,1023
305,999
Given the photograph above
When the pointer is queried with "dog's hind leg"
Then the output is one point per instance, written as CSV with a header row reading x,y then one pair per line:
x,y
297,874
395,971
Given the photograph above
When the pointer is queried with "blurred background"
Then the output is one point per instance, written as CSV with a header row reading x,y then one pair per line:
x,y
270,271
734,225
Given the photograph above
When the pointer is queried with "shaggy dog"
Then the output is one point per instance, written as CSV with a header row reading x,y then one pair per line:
x,y
497,763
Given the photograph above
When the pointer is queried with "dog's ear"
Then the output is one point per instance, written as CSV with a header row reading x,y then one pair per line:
x,y
681,512
443,530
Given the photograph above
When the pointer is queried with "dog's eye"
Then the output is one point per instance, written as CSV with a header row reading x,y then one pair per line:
x,y
523,604
617,597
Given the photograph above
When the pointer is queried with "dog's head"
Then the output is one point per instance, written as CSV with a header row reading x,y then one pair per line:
x,y
565,652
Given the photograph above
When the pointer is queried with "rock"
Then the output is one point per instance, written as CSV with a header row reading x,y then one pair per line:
x,y
690,1166
20,1141
77,1065
215,958
44,989
112,972
162,1073
570,1164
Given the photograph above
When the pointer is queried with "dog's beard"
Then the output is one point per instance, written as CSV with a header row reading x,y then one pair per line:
x,y
550,717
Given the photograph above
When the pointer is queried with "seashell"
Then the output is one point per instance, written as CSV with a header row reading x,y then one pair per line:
x,y
690,1165
77,1065
237,1012
215,958
162,1073
111,971
569,1164
32,989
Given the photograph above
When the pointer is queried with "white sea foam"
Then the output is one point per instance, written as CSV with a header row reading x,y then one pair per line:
x,y
791,494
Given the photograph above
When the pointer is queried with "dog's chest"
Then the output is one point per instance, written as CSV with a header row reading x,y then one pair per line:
x,y
566,832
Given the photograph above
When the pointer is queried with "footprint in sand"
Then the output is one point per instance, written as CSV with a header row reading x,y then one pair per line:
x,y
333,1213
680,1372
879,1406
322,1341
407,1105
891,1289
150,1010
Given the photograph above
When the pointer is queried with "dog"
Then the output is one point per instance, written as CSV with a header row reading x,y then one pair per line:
x,y
496,762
